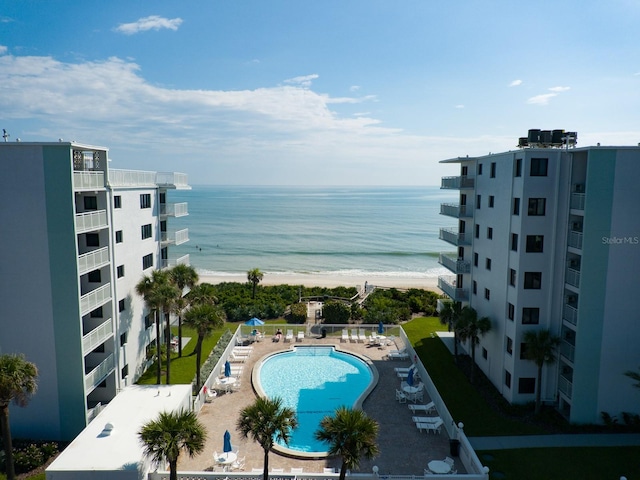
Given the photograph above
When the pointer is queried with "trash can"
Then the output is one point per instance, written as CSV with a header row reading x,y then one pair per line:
x,y
324,333
454,447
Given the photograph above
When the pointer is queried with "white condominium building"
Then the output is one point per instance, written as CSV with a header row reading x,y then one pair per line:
x,y
548,238
76,238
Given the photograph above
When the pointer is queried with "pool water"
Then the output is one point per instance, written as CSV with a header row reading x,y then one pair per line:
x,y
314,381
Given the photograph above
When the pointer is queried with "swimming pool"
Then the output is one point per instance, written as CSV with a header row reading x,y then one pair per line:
x,y
314,381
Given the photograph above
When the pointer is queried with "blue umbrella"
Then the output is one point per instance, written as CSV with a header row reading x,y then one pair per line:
x,y
227,369
381,328
410,377
227,442
254,321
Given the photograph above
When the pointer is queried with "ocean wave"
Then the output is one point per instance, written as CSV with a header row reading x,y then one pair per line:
x,y
428,274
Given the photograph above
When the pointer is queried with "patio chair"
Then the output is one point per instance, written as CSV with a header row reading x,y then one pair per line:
x,y
450,461
345,335
354,335
400,396
289,336
300,336
428,472
209,394
238,464
362,337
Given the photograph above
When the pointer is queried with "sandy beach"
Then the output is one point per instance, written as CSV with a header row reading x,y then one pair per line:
x,y
319,280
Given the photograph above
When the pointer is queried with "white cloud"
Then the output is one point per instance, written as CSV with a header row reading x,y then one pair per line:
x,y
459,106
559,89
515,83
542,99
153,22
354,88
303,81
3,49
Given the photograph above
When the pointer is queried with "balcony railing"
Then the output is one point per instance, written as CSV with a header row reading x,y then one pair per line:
x,y
92,300
173,180
90,261
572,277
91,221
456,265
88,180
448,286
175,238
570,314
567,350
577,201
174,209
131,178
575,239
453,237
98,374
172,262
565,386
97,336
457,182
455,210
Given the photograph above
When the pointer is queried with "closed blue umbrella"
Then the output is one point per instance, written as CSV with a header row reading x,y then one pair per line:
x,y
410,377
380,328
227,369
254,322
227,442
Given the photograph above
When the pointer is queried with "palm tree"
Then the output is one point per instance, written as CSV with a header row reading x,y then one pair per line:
x,y
634,376
17,384
183,276
541,349
449,315
202,293
472,328
254,276
204,318
148,288
167,294
267,421
350,434
172,432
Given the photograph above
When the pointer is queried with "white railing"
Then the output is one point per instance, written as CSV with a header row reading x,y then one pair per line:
x,y
92,260
457,182
567,350
448,286
173,179
177,238
572,277
89,221
565,386
172,262
97,336
95,376
174,209
453,237
575,239
88,180
570,314
454,264
92,300
577,201
131,178
455,210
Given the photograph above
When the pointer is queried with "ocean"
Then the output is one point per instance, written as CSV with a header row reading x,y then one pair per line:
x,y
337,231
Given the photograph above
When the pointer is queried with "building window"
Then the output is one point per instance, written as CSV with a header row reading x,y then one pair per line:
x,y
509,346
92,239
94,276
536,207
493,170
492,200
487,264
124,372
120,271
514,242
117,201
145,200
119,236
530,316
97,313
477,231
475,259
532,280
523,351
478,201
516,206
507,378
147,261
487,294
535,243
479,169
527,385
511,311
163,197
475,287
148,321
123,339
485,354
121,305
518,167
539,167
90,203
146,231
489,233
512,277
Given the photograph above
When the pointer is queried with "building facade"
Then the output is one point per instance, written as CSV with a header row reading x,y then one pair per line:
x,y
76,239
548,238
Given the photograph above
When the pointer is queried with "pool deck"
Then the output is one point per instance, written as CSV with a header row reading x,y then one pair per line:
x,y
403,449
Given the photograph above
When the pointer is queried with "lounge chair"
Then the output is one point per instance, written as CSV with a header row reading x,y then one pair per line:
x,y
404,369
233,358
289,336
429,407
397,355
277,470
300,336
354,335
425,419
345,336
329,470
297,470
257,470
362,337
431,427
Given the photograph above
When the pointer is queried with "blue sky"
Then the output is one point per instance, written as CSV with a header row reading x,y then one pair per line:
x,y
316,92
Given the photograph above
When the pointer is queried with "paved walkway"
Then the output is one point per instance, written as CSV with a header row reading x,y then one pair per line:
x,y
559,440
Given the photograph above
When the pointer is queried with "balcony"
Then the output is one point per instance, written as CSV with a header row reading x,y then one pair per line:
x,y
174,209
567,350
172,262
575,239
93,260
97,336
570,314
577,201
572,277
99,373
455,210
456,265
88,180
175,238
565,386
91,221
457,182
453,237
92,300
173,180
448,286
131,178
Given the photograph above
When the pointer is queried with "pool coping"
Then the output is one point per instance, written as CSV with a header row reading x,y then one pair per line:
x,y
257,387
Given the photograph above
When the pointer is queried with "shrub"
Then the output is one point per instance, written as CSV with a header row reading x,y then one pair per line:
x,y
298,312
336,312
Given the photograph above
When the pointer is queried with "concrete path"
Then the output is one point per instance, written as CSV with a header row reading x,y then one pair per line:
x,y
561,440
